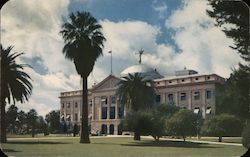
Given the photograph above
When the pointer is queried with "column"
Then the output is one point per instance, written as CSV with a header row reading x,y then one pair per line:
x,y
190,97
116,111
93,108
108,106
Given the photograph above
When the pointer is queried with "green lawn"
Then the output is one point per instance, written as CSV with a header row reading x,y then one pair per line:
x,y
116,147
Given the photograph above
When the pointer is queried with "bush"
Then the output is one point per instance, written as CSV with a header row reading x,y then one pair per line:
x,y
182,123
222,125
246,136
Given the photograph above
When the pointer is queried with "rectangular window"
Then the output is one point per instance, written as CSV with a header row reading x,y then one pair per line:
x,y
76,117
196,95
209,94
104,100
208,110
76,105
68,118
112,113
113,99
171,98
62,105
183,96
121,112
68,105
104,112
158,98
196,110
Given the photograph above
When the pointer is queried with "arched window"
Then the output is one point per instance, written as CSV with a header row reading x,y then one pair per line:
x,y
119,129
104,129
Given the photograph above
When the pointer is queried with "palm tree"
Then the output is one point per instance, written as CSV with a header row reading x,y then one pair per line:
x,y
83,45
137,93
15,84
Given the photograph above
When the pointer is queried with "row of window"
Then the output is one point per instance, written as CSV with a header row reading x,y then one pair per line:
x,y
183,96
183,80
112,112
208,110
104,99
76,104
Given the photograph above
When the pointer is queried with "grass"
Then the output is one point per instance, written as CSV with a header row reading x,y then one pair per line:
x,y
116,147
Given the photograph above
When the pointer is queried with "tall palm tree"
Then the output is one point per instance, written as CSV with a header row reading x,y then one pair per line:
x,y
15,84
136,93
83,45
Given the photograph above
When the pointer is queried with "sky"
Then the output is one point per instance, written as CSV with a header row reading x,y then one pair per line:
x,y
173,34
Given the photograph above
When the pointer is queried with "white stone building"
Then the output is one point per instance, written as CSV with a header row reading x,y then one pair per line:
x,y
187,89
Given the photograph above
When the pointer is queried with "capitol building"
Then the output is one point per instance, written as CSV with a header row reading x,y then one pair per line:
x,y
186,89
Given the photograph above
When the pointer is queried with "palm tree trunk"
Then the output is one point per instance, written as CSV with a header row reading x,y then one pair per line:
x,y
3,122
84,127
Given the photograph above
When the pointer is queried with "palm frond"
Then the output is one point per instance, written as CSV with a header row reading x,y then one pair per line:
x,y
16,85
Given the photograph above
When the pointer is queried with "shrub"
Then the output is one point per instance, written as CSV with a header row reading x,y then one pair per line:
x,y
246,136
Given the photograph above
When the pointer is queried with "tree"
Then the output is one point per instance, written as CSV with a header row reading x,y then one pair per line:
x,y
32,120
182,123
139,122
53,120
246,136
235,13
233,97
21,122
136,93
167,110
222,125
83,45
159,117
15,84
41,125
12,117
233,17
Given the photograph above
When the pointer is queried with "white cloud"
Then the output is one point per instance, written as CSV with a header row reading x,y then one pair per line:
x,y
34,29
161,9
204,47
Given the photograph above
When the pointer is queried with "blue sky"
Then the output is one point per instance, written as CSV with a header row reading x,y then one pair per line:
x,y
174,34
153,12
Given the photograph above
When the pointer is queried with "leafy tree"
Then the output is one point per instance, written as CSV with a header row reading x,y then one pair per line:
x,y
235,13
167,110
53,120
22,122
182,123
83,45
32,120
41,125
246,136
233,97
222,125
159,116
15,84
12,117
139,122
136,93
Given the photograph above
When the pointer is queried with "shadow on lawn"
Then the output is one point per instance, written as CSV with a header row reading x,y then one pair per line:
x,y
170,144
10,150
37,142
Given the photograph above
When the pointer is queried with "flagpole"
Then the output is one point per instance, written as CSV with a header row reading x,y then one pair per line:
x,y
111,72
